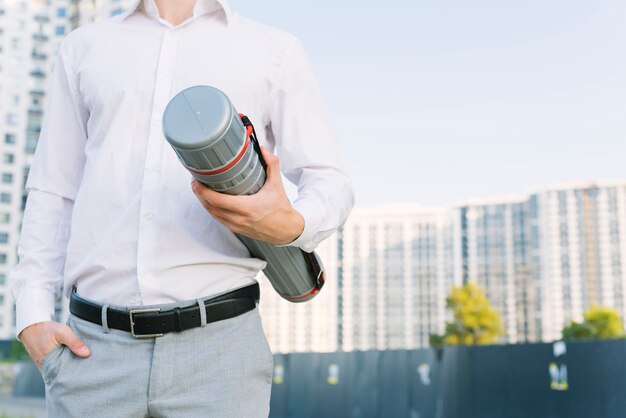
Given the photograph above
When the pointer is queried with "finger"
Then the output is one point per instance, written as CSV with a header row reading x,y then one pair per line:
x,y
225,216
273,165
238,215
232,217
66,336
267,155
220,200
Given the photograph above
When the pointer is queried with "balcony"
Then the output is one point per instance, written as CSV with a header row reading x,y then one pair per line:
x,y
38,73
39,55
42,18
40,37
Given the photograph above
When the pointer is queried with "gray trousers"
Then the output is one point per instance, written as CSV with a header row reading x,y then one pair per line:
x,y
223,369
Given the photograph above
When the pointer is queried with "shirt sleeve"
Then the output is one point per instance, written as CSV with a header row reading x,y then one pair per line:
x,y
308,153
53,182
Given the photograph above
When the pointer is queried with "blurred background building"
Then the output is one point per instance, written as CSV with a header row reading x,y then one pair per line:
x,y
543,259
30,34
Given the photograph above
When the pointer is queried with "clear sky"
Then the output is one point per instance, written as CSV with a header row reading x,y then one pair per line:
x,y
435,102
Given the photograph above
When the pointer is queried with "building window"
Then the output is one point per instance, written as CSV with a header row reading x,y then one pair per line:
x,y
1,300
59,30
117,11
9,138
31,142
5,197
4,237
8,158
61,12
3,278
7,178
5,218
11,119
3,258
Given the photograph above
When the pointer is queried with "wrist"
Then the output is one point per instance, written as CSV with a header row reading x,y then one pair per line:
x,y
295,226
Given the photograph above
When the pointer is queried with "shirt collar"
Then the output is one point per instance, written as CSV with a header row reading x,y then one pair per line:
x,y
200,8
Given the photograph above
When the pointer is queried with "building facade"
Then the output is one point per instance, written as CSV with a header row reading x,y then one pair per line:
x,y
388,272
30,34
543,261
493,239
546,259
578,250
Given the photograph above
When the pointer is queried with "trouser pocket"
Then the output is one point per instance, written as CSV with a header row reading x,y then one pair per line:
x,y
51,362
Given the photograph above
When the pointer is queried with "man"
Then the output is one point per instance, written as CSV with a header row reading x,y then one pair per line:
x,y
112,221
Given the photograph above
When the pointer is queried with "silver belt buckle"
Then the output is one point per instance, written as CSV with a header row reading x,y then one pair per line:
x,y
132,323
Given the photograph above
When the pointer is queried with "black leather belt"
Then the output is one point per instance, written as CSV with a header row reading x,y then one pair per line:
x,y
152,322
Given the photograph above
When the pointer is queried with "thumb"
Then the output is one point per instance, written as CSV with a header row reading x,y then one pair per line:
x,y
273,166
67,337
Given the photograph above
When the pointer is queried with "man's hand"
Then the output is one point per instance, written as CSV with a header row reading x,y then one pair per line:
x,y
266,215
39,339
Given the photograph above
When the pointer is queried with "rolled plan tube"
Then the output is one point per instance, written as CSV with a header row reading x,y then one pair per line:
x,y
219,148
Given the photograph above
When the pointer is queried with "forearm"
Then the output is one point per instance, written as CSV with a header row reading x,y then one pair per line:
x,y
305,142
325,201
37,279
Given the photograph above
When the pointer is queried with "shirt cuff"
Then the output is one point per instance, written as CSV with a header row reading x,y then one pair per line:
x,y
33,306
311,214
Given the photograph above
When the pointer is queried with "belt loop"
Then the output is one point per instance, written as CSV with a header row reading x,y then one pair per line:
x,y
178,320
202,312
105,322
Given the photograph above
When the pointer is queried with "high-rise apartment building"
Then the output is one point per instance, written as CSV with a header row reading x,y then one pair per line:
x,y
30,34
578,251
388,270
546,259
493,240
542,260
397,268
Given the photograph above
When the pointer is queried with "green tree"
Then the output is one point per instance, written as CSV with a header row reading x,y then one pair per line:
x,y
475,321
599,323
17,352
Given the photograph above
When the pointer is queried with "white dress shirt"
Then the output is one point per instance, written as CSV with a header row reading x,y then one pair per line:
x,y
110,207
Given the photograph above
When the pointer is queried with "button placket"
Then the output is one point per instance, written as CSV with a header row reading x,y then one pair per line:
x,y
150,196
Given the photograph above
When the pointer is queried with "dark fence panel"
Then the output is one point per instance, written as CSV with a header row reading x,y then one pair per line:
x,y
280,387
393,382
583,379
425,380
365,394
577,380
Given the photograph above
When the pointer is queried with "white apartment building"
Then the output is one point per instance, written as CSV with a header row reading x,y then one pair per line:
x,y
388,273
546,259
578,249
397,269
492,236
542,260
30,34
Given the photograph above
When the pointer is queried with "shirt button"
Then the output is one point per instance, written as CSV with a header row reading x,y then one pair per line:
x,y
148,216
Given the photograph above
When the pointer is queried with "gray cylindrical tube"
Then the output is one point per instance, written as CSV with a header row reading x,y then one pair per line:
x,y
211,141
